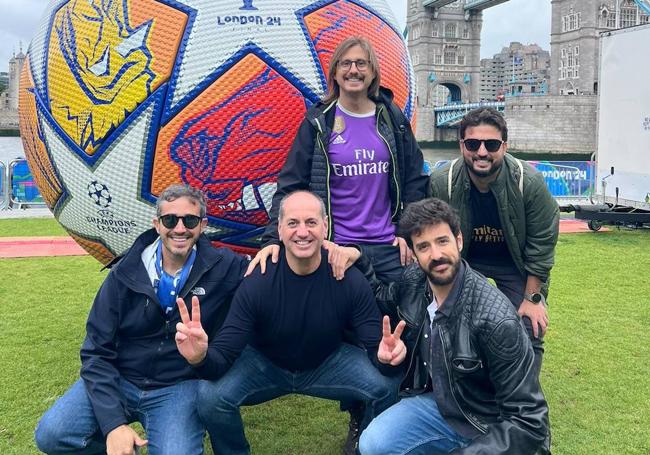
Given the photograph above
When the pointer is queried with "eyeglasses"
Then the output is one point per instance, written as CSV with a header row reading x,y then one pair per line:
x,y
170,221
491,145
347,64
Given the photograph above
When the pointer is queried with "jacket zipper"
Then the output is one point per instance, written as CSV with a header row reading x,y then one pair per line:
x,y
330,233
475,424
392,158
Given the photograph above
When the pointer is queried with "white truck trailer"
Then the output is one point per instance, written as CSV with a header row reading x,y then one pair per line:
x,y
623,152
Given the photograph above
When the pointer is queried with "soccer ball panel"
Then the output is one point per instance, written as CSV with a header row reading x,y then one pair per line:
x,y
231,140
121,98
104,59
39,161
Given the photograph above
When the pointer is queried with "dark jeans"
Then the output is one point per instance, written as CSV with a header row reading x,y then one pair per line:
x,y
385,261
347,374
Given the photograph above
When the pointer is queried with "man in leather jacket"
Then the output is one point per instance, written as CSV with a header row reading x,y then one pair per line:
x,y
469,385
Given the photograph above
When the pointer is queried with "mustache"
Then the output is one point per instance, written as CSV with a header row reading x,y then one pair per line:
x,y
442,261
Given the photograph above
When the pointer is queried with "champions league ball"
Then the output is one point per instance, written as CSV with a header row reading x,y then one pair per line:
x,y
121,98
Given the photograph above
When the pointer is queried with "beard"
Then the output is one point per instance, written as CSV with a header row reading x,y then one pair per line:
x,y
442,280
493,169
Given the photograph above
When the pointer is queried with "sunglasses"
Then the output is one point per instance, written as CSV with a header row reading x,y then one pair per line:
x,y
491,145
170,221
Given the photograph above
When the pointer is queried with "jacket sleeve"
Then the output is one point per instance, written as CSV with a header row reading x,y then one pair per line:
x,y
232,338
416,181
523,422
98,357
294,175
542,228
386,295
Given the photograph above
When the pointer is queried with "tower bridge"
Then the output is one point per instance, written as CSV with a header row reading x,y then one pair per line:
x,y
445,40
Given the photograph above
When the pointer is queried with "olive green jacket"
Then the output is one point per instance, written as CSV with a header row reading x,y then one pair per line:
x,y
530,221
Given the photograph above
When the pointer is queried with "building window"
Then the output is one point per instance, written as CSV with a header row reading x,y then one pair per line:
x,y
434,31
571,22
465,33
569,62
628,14
416,59
437,59
450,58
461,59
450,31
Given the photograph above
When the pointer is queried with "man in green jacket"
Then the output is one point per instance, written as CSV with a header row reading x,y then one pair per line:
x,y
509,219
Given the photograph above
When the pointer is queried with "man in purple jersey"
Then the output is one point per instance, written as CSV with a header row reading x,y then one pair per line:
x,y
355,149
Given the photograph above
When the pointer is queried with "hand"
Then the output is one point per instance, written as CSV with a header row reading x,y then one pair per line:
x,y
261,258
392,349
537,314
405,253
191,339
123,440
340,258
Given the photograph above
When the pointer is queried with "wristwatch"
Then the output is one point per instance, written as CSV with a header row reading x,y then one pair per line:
x,y
535,297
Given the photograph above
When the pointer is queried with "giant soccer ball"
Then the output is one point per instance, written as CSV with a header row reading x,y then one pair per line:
x,y
121,98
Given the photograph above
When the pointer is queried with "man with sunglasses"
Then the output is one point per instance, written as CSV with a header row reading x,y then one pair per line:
x,y
285,334
509,219
131,369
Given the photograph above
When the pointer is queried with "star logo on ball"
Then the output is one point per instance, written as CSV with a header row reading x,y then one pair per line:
x,y
99,194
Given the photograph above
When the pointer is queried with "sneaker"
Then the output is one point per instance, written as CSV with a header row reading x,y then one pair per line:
x,y
354,431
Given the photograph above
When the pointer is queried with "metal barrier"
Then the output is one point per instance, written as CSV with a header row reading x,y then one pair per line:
x,y
574,179
4,193
20,186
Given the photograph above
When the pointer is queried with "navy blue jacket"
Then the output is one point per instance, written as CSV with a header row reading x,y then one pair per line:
x,y
129,337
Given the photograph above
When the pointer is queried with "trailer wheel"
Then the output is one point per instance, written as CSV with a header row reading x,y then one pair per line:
x,y
594,225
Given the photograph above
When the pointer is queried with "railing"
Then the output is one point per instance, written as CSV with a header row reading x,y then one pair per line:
x,y
17,186
564,179
452,113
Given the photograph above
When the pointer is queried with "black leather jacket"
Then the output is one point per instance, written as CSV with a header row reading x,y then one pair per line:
x,y
488,357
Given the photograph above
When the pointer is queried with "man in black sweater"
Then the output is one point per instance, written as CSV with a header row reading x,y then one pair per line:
x,y
284,334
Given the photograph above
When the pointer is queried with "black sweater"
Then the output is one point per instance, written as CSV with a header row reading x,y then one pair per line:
x,y
295,321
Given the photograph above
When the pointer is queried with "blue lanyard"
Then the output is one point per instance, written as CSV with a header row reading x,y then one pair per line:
x,y
167,286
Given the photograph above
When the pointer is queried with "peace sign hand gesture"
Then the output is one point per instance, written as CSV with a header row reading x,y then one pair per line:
x,y
392,349
191,339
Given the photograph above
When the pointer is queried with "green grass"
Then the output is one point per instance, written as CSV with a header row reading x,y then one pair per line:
x,y
32,227
596,372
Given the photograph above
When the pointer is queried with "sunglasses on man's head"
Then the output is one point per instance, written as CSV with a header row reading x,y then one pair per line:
x,y
491,145
170,221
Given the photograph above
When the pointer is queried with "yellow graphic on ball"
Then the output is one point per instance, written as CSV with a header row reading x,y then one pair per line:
x,y
100,69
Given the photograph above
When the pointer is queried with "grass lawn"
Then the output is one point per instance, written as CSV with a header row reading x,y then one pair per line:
x,y
596,372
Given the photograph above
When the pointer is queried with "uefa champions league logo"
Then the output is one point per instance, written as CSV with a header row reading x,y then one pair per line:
x,y
106,220
248,6
99,194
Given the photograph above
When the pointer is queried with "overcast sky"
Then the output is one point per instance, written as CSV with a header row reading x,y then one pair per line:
x,y
526,21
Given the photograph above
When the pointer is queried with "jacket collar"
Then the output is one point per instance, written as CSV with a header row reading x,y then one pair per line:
x,y
129,268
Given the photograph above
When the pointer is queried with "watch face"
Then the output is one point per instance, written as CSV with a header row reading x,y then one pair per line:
x,y
536,297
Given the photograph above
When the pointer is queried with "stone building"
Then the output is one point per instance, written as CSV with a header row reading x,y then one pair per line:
x,y
575,28
15,67
444,44
517,70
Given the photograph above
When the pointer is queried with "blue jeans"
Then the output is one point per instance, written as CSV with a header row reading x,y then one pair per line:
x,y
412,426
347,374
168,415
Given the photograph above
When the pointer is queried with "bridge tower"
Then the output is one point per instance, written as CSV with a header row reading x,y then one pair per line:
x,y
444,42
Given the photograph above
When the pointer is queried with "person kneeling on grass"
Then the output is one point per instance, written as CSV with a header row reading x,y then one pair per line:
x,y
130,367
471,386
284,334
